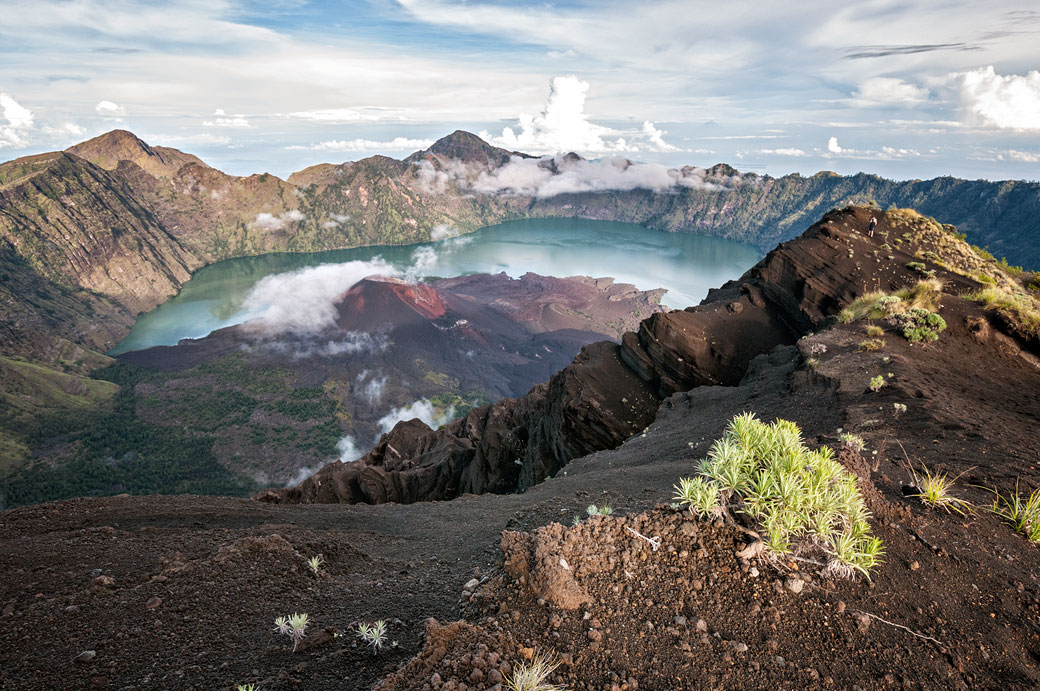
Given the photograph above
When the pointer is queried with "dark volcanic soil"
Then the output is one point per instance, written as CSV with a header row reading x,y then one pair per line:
x,y
181,592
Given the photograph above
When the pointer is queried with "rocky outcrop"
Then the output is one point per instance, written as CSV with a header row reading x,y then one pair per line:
x,y
611,392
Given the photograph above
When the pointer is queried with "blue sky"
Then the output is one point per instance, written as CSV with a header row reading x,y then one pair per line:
x,y
904,89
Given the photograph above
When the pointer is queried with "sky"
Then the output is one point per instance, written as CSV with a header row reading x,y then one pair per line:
x,y
902,88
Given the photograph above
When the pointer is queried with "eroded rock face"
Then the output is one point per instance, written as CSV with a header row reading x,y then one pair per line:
x,y
610,392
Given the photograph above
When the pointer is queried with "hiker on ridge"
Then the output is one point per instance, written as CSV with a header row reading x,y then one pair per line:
x,y
871,226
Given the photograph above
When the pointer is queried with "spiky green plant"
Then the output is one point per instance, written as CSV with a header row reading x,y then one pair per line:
x,y
1023,515
798,498
594,510
315,562
294,626
248,687
373,634
935,490
534,675
699,495
876,383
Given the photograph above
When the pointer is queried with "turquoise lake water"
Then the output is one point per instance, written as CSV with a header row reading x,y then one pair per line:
x,y
226,293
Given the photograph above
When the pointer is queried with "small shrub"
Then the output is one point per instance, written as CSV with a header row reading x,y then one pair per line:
x,y
314,563
916,266
248,687
294,626
920,325
800,499
853,441
900,408
876,383
1023,515
533,675
872,344
1019,308
934,490
374,635
874,331
594,510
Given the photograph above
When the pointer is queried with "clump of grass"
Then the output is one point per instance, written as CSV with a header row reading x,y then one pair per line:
x,y
801,500
1022,514
874,331
248,687
853,441
934,490
876,383
374,635
899,408
534,675
315,563
920,325
294,626
593,510
872,344
1017,307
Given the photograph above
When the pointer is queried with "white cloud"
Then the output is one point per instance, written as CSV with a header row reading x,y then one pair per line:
x,y
19,122
235,121
888,91
794,153
109,109
396,144
1009,102
335,221
563,127
266,221
1019,156
656,138
422,409
833,146
334,115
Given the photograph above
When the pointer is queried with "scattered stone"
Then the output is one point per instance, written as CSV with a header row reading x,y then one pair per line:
x,y
471,584
85,656
840,607
680,620
153,603
595,636
795,584
701,626
104,581
862,622
915,566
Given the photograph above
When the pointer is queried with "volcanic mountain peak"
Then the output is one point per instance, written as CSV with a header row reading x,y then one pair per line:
x,y
378,301
107,150
468,148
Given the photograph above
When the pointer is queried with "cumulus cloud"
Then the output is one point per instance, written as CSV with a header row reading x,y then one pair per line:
x,y
888,91
20,121
1009,102
563,127
396,144
833,146
887,153
422,409
266,221
1018,156
109,109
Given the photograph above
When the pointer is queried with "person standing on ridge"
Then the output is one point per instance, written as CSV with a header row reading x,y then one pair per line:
x,y
871,226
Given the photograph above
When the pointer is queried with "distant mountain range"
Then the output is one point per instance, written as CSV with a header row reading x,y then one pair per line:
x,y
92,236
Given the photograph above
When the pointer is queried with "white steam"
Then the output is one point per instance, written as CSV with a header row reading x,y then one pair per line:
x,y
443,232
372,390
304,301
422,409
266,221
348,449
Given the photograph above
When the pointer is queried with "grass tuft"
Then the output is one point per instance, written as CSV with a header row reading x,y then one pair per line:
x,y
934,491
533,675
1022,514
